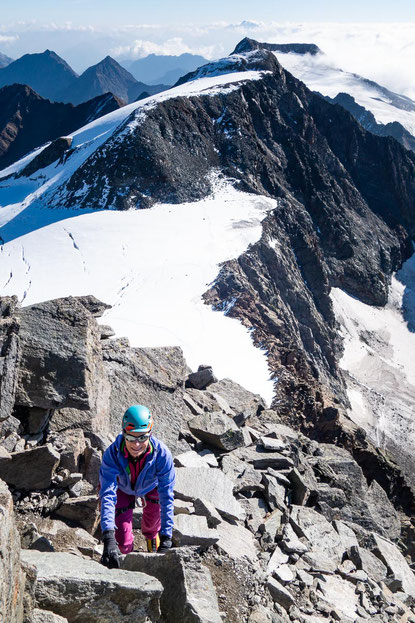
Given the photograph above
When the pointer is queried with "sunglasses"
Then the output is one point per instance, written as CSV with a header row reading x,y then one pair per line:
x,y
134,438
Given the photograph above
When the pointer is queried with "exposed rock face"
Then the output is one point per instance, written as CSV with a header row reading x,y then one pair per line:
x,y
72,587
30,469
12,579
285,48
9,355
27,120
150,376
368,121
55,151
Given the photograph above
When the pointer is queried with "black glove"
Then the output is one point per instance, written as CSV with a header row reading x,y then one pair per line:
x,y
111,556
165,543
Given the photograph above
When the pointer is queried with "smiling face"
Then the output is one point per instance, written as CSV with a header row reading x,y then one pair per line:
x,y
136,448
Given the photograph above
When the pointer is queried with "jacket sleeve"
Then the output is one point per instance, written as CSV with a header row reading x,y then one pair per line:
x,y
166,478
108,489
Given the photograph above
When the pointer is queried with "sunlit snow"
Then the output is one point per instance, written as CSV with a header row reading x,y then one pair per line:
x,y
380,365
153,266
319,75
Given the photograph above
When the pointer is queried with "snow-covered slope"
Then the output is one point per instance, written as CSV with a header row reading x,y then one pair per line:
x,y
153,266
319,75
379,347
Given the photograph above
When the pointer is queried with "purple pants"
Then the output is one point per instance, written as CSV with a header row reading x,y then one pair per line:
x,y
150,522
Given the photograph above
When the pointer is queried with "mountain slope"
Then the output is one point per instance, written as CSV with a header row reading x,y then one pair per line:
x,y
5,60
106,76
45,73
163,69
343,216
28,120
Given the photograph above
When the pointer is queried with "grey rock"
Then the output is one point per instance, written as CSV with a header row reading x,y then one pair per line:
x,y
217,429
190,459
291,543
284,574
202,401
81,510
318,531
10,442
275,492
239,399
371,564
83,590
396,563
191,404
255,509
272,524
92,464
382,511
304,577
211,485
208,510
12,580
106,331
260,614
45,616
183,508
303,484
272,444
277,559
340,595
61,355
31,469
10,425
202,378
153,377
237,542
261,459
71,446
193,530
37,419
9,355
208,456
189,594
280,594
346,534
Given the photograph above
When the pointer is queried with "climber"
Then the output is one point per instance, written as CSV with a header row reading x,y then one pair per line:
x,y
135,465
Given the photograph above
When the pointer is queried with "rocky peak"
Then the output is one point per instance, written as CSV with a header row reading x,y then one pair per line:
x,y
248,44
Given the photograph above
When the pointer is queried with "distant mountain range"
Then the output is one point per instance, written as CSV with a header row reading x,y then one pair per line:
x,y
5,60
154,69
27,120
52,78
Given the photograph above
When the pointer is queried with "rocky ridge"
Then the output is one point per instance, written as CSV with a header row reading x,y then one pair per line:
x,y
270,525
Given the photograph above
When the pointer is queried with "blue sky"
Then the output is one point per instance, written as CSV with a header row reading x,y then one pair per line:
x,y
373,39
107,13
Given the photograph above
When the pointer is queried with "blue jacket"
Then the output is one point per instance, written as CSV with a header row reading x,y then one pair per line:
x,y
158,471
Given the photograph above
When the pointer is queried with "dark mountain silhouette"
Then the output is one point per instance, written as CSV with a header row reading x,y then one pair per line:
x,y
106,76
45,73
5,60
296,48
27,120
163,69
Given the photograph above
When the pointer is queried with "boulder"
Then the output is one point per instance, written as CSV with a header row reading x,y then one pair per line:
x,y
202,378
202,401
389,554
153,377
275,493
261,459
238,398
217,429
61,355
368,562
255,509
43,616
280,594
37,419
12,579
30,469
346,534
340,595
237,542
383,512
271,524
193,530
83,510
320,534
190,459
183,508
189,594
211,485
92,464
277,559
71,444
207,509
83,590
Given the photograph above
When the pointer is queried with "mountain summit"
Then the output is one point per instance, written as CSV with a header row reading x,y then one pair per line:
x,y
106,76
46,73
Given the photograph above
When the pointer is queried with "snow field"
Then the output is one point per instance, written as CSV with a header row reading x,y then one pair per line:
x,y
152,266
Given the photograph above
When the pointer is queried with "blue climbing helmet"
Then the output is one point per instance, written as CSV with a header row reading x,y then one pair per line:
x,y
137,419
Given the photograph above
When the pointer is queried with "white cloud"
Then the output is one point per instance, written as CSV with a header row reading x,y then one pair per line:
x,y
8,38
174,47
